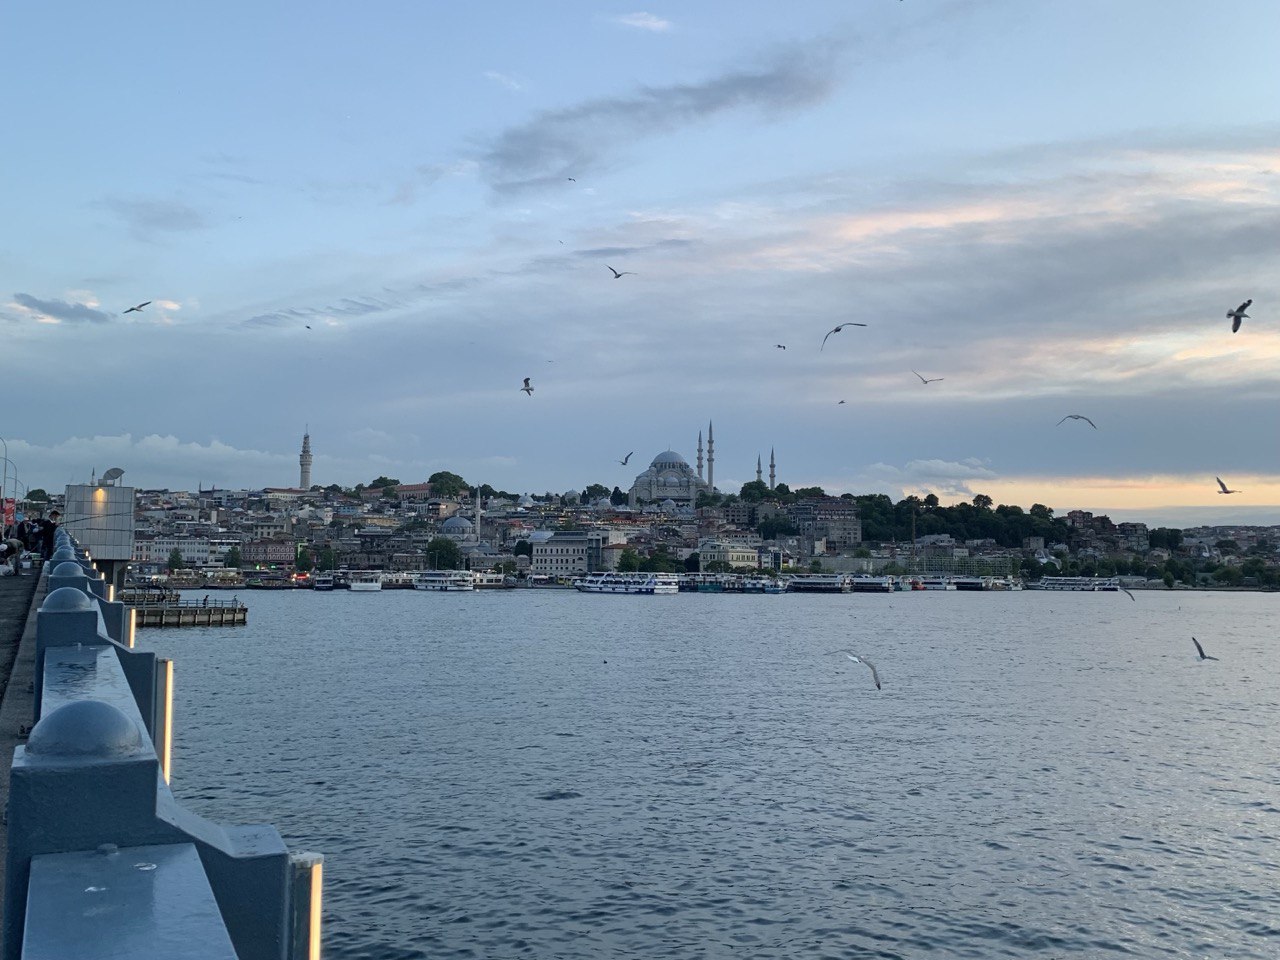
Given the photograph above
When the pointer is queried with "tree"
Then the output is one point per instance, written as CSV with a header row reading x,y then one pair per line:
x,y
1041,512
755,491
175,560
782,490
771,528
815,566
931,501
982,501
232,558
443,554
383,482
1230,546
446,484
692,562
617,498
304,561
327,560
595,491
628,561
523,548
809,493
716,566
37,495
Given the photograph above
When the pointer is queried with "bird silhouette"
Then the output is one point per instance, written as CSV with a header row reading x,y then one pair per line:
x,y
781,346
617,275
138,308
856,658
527,388
837,329
624,460
930,380
1200,650
1076,416
838,402
571,179
1238,314
1223,487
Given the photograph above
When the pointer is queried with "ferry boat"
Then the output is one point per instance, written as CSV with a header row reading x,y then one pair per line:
x,y
488,580
869,584
322,581
969,583
1081,584
444,580
365,581
775,586
819,583
1001,583
937,583
646,583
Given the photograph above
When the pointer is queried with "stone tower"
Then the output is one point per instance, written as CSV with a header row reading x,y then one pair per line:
x,y
711,458
304,461
759,471
699,454
772,475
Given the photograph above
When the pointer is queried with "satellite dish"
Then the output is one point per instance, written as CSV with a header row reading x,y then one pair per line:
x,y
115,473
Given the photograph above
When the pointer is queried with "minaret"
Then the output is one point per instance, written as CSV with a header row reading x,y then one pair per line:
x,y
759,472
699,454
771,466
304,461
711,459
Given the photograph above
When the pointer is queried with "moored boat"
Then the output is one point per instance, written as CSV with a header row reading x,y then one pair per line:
x,y
450,581
638,583
365,581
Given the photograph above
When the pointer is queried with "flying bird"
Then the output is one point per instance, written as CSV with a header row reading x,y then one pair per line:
x,y
1223,487
527,388
1076,416
617,275
930,379
624,460
781,346
838,402
1238,314
837,329
1200,650
1131,596
867,663
138,308
571,179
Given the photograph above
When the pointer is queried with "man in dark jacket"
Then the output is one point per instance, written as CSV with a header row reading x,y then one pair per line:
x,y
48,528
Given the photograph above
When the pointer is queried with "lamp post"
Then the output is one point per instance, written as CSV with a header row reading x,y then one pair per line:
x,y
4,482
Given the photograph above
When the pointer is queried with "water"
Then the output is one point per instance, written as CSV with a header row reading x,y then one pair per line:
x,y
545,774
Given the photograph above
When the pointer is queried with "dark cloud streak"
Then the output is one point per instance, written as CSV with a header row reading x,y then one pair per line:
x,y
62,310
575,140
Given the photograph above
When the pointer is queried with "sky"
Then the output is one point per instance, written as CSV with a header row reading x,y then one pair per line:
x,y
372,221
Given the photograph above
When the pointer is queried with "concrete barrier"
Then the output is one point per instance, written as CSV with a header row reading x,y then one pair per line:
x,y
96,840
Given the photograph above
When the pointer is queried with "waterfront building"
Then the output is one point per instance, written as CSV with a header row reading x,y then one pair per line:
x,y
729,553
835,520
571,552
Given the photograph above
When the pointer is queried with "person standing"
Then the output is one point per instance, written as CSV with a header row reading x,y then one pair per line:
x,y
47,530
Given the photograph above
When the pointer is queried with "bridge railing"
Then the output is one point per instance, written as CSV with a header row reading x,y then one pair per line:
x,y
102,860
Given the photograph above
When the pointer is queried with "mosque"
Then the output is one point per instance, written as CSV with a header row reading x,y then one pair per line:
x,y
670,478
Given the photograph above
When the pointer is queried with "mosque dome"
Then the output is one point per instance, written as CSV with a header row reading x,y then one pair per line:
x,y
668,460
668,505
456,525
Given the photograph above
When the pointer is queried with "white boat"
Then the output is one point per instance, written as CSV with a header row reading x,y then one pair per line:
x,y
937,583
365,581
488,580
646,583
1081,584
444,580
864,583
819,583
322,581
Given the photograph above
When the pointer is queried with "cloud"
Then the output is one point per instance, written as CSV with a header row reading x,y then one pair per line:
x,y
58,311
147,219
948,479
568,142
644,21
501,78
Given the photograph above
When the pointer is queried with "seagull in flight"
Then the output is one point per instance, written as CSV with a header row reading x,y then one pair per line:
x,y
867,663
837,329
781,346
527,388
617,275
1223,487
930,379
624,460
838,402
1238,314
138,308
1200,650
1131,596
571,179
1076,416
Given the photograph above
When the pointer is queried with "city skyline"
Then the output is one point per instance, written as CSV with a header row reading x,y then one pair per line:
x,y
380,222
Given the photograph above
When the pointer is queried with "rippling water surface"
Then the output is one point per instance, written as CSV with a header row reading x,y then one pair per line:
x,y
545,774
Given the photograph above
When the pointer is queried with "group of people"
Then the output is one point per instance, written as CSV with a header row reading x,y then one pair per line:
x,y
29,536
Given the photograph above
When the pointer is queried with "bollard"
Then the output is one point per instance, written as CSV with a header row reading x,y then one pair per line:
x,y
307,872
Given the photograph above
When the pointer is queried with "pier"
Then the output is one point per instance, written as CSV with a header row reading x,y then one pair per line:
x,y
99,858
191,613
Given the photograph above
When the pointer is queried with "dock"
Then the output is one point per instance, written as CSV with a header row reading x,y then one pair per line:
x,y
191,613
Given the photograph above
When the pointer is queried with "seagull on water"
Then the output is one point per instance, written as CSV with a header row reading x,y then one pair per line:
x,y
1200,650
867,663
1076,416
837,329
617,275
1238,314
624,460
138,308
1223,487
527,388
930,380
